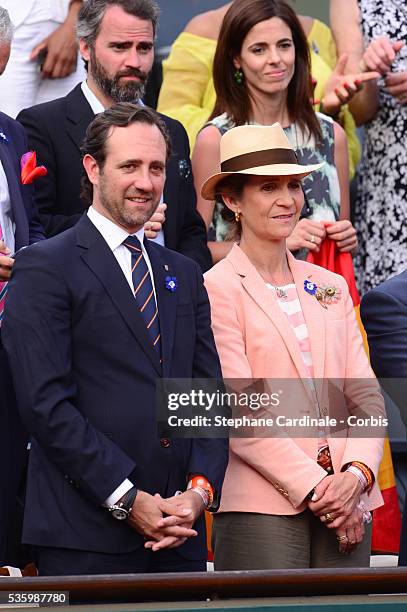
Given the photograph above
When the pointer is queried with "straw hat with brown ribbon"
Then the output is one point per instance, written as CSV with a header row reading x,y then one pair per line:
x,y
258,150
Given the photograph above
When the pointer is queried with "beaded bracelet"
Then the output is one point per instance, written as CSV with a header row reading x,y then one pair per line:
x,y
366,472
203,483
359,475
202,494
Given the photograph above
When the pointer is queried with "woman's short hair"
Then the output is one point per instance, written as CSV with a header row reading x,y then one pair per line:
x,y
232,186
232,97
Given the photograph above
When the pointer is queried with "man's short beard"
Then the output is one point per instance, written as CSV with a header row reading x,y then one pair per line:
x,y
126,218
132,91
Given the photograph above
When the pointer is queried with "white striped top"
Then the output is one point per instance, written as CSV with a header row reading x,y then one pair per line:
x,y
291,307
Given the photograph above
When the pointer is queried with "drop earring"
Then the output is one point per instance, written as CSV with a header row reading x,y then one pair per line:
x,y
237,216
238,76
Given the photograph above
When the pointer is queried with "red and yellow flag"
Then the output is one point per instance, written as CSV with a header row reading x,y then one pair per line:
x,y
387,518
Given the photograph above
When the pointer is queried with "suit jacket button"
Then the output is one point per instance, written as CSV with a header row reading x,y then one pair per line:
x,y
165,443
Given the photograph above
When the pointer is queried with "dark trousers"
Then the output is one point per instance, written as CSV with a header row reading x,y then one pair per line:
x,y
13,460
67,562
250,541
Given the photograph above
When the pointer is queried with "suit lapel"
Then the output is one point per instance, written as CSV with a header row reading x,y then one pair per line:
x,y
166,300
12,172
99,258
78,115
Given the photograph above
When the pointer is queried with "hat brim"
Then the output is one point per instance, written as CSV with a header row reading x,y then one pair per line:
x,y
208,190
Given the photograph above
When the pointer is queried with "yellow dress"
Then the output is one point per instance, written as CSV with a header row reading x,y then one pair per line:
x,y
188,94
322,42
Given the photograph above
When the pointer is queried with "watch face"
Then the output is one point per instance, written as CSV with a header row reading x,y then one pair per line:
x,y
120,514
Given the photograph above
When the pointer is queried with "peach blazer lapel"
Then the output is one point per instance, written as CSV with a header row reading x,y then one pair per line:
x,y
256,288
313,312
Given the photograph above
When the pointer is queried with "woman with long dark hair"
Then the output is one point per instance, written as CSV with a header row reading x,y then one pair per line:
x,y
262,75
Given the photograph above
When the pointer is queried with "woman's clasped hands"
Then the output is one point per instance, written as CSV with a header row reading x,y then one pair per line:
x,y
310,234
379,56
336,502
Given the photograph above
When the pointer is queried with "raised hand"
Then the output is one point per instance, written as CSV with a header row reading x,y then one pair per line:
x,y
341,87
307,234
6,263
396,85
154,225
60,48
380,54
344,234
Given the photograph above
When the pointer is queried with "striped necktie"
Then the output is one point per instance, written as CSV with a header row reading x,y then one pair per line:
x,y
3,288
143,291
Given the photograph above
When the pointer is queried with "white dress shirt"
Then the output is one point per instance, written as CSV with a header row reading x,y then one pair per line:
x,y
115,235
97,108
6,217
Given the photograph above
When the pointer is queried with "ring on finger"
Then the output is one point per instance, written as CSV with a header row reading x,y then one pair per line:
x,y
342,538
312,239
329,518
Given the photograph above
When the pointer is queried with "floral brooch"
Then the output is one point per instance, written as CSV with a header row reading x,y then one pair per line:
x,y
325,294
171,283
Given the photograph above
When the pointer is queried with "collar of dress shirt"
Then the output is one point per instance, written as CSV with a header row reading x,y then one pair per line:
x,y
94,102
111,232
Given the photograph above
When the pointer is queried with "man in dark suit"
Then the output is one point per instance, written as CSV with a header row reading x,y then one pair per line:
x,y
93,349
117,43
384,314
19,225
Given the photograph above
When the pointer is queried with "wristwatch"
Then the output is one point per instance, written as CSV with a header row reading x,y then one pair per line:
x,y
122,509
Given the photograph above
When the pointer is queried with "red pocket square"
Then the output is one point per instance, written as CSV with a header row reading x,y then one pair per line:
x,y
29,169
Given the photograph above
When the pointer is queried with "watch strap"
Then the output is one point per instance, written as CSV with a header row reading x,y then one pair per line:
x,y
128,499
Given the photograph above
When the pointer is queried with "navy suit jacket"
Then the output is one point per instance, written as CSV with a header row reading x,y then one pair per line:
x,y
86,374
384,314
13,144
56,131
13,439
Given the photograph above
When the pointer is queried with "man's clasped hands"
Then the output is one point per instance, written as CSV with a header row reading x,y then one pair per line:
x,y
165,523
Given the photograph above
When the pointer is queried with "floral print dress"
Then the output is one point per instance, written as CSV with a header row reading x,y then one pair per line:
x,y
381,207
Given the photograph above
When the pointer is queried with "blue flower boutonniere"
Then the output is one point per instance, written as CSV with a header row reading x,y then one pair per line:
x,y
171,283
310,287
325,294
4,137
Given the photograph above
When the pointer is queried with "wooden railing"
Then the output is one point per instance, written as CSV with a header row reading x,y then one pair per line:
x,y
217,585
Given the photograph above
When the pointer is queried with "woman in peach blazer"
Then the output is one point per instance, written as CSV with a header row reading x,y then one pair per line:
x,y
288,502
